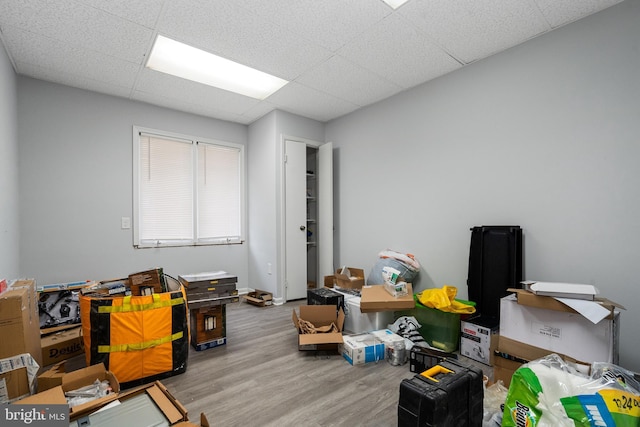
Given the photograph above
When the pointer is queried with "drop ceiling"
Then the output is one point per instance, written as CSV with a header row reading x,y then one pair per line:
x,y
339,55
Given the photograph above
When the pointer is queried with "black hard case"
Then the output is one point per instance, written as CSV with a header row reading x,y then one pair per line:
x,y
325,296
495,264
445,400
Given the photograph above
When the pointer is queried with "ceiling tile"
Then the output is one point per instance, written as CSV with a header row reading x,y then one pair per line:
x,y
559,13
347,81
377,49
314,104
471,30
68,60
80,25
225,29
81,82
143,12
170,87
329,23
186,106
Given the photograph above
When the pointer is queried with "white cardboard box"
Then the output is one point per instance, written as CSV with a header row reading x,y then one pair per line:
x,y
563,332
478,340
361,349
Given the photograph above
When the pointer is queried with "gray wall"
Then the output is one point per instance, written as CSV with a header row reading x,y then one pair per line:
x,y
544,135
76,183
9,213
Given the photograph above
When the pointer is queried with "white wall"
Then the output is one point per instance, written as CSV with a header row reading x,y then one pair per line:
x,y
9,213
76,183
265,193
544,135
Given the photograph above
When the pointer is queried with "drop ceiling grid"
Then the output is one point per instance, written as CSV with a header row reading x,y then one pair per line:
x,y
395,50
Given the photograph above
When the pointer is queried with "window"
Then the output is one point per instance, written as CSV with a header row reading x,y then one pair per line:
x,y
187,191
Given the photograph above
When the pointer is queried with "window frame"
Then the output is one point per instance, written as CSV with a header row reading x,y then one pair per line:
x,y
194,241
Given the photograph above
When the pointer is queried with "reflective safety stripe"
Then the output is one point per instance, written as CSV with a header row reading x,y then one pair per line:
x,y
128,307
140,345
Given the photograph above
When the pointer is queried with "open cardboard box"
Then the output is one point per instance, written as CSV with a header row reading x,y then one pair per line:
x,y
259,298
354,281
319,315
512,354
530,299
74,380
376,298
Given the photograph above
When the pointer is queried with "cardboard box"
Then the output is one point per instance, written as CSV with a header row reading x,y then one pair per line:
x,y
511,354
527,298
17,377
355,280
52,377
61,345
376,298
560,331
362,349
171,408
72,381
479,338
319,316
259,298
147,282
19,321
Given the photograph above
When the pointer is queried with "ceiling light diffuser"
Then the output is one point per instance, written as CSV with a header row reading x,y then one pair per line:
x,y
395,3
181,60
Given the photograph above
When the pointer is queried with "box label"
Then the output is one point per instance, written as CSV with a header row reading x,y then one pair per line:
x,y
546,330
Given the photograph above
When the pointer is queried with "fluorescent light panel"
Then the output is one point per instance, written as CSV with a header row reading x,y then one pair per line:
x,y
181,60
395,3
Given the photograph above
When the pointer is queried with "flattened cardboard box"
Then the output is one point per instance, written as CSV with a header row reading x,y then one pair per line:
x,y
319,315
376,298
259,298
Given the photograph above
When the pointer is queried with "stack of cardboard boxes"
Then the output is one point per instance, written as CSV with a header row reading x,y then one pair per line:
x,y
362,313
24,308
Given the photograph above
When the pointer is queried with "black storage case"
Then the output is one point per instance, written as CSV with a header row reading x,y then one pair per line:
x,y
444,400
495,264
421,359
325,296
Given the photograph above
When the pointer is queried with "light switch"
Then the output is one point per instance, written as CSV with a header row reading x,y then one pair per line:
x,y
125,222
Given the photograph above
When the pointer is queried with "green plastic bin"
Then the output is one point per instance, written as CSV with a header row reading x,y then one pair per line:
x,y
438,328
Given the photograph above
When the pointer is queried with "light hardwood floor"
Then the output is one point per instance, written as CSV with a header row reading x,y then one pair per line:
x,y
260,378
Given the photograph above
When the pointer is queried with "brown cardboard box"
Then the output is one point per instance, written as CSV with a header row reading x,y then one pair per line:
x,y
17,377
147,282
19,321
259,298
72,381
376,298
52,377
511,354
319,315
549,303
60,345
354,281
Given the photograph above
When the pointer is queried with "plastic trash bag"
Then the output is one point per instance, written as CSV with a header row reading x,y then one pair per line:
x,y
443,299
550,392
406,264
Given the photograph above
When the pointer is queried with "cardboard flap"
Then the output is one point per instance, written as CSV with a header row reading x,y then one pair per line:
x,y
319,315
53,396
309,339
376,298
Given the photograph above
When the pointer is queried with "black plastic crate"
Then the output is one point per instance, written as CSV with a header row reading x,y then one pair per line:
x,y
325,296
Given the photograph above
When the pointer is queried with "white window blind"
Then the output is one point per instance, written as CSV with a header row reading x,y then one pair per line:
x,y
187,192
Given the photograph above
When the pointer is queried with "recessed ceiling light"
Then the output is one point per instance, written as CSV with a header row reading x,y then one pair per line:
x,y
181,60
395,3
